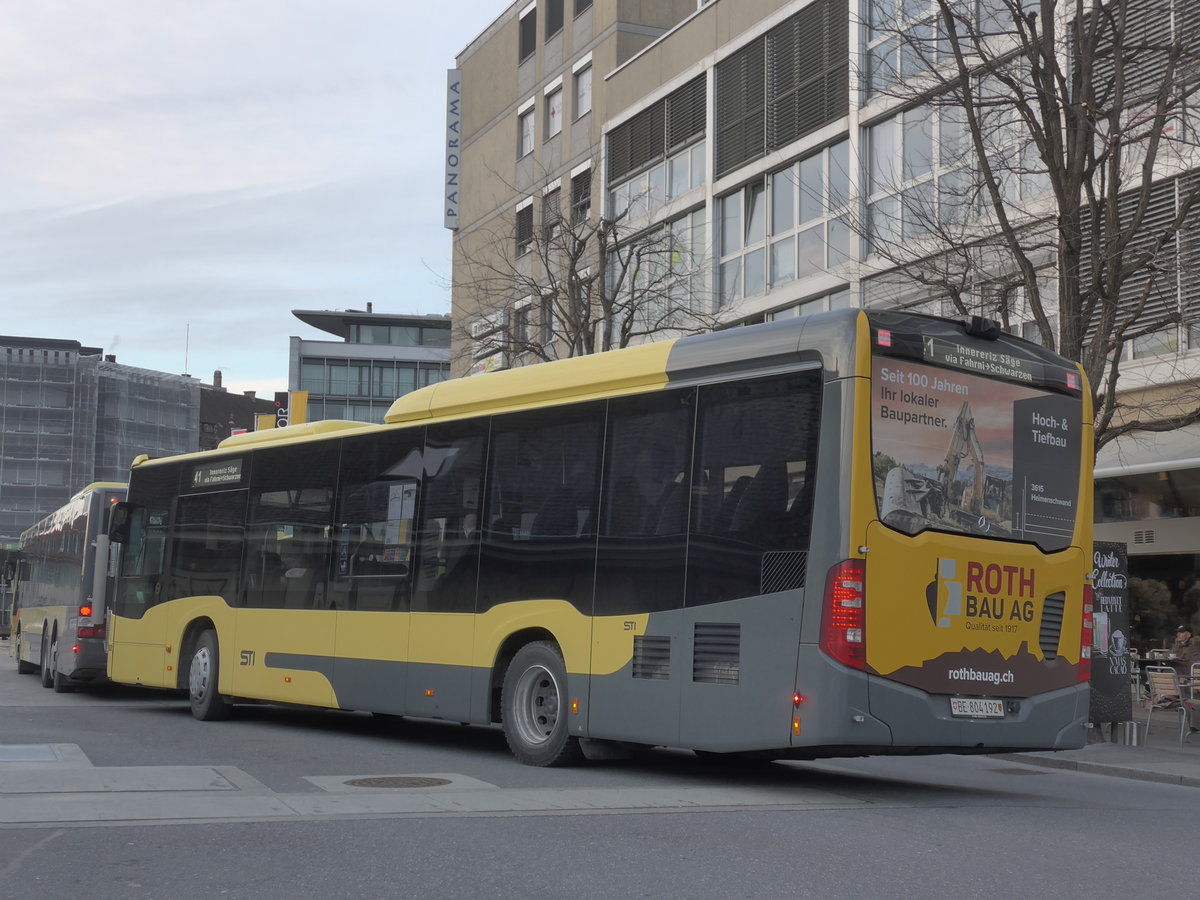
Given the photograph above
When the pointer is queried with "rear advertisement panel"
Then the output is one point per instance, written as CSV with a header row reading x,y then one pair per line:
x,y
956,452
957,456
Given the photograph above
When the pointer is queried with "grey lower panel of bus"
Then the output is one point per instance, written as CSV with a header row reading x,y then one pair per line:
x,y
90,663
721,678
1055,720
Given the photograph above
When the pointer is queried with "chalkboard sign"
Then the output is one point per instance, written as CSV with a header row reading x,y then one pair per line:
x,y
1111,696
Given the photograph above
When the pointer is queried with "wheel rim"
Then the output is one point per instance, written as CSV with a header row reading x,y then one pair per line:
x,y
537,705
200,673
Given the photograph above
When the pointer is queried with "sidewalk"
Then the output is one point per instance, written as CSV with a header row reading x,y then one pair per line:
x,y
1156,757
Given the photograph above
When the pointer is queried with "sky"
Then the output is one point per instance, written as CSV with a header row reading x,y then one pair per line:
x,y
176,176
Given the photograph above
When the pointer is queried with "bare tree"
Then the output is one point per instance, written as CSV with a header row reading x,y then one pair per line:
x,y
1045,154
553,280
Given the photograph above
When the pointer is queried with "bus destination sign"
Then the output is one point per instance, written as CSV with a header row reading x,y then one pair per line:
x,y
227,471
980,360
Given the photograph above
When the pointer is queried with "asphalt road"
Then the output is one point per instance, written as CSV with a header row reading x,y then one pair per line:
x,y
129,797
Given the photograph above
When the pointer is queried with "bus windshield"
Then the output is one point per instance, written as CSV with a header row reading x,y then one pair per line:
x,y
959,452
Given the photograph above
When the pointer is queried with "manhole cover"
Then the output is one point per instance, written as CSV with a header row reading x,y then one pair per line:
x,y
398,781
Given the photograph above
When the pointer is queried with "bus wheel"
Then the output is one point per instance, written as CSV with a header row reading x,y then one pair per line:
x,y
534,707
46,663
24,666
207,704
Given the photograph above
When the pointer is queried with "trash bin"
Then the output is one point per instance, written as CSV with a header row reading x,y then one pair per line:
x,y
1127,733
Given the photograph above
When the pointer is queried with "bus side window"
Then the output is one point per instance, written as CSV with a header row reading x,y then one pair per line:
x,y
375,521
542,494
642,544
288,535
207,540
142,557
756,456
447,538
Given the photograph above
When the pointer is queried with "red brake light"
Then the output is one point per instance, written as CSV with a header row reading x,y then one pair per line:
x,y
90,631
1085,637
843,619
85,611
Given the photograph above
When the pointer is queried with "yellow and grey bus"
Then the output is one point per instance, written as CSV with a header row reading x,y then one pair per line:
x,y
61,589
851,533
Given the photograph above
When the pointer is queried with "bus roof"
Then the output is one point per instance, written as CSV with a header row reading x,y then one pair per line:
x,y
303,430
609,374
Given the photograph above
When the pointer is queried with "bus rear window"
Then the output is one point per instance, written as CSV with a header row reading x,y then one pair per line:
x,y
958,452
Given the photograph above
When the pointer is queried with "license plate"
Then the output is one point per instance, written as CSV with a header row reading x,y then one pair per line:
x,y
976,708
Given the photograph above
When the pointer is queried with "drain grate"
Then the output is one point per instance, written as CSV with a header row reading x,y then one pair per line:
x,y
397,781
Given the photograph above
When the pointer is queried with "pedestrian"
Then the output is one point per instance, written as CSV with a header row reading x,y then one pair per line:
x,y
1186,648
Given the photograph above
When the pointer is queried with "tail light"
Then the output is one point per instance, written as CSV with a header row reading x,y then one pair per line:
x,y
843,617
1085,637
91,631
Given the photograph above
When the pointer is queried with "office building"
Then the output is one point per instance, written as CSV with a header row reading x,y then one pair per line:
x,y
379,357
780,146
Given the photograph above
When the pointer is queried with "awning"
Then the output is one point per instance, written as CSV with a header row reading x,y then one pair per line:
x,y
1141,452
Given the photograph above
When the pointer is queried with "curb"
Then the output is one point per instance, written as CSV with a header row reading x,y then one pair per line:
x,y
1092,768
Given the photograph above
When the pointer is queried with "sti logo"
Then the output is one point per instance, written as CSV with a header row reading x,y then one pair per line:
x,y
944,604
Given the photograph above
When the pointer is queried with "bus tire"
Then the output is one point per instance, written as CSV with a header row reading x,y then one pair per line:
x,y
203,670
534,707
60,682
24,666
46,662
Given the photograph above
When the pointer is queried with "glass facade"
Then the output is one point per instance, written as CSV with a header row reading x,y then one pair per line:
x,y
361,390
381,358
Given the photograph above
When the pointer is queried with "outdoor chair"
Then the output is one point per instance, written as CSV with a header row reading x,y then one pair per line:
x,y
1164,693
1192,689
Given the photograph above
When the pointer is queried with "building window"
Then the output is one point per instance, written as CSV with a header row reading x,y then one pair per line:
x,y
668,280
796,225
646,192
581,197
554,101
554,17
900,42
525,133
431,375
547,320
659,153
582,6
917,175
659,130
435,337
551,215
522,327
338,381
371,334
312,376
524,229
583,91
527,38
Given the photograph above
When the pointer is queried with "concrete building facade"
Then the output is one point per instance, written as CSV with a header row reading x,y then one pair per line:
x,y
780,185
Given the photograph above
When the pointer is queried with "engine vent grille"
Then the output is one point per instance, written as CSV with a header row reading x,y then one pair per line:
x,y
652,656
1145,536
717,653
1052,620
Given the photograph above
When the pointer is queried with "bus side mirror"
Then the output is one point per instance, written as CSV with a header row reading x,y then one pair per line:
x,y
119,521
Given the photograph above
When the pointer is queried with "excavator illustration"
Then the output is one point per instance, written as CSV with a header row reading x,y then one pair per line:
x,y
981,503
